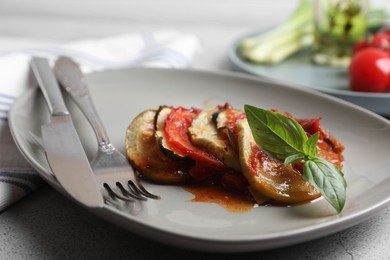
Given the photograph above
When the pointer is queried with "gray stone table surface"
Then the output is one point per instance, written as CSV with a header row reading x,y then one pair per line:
x,y
46,225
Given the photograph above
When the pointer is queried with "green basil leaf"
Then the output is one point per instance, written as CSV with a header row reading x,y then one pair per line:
x,y
294,158
310,146
278,135
327,179
283,138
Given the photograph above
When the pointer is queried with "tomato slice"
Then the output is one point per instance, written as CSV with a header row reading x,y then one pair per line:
x,y
176,130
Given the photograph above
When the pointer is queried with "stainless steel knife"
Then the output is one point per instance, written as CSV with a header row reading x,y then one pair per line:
x,y
64,151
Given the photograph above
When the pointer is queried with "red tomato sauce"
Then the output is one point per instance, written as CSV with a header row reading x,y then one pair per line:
x,y
212,190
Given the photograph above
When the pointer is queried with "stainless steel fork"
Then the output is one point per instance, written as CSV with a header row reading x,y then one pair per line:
x,y
111,168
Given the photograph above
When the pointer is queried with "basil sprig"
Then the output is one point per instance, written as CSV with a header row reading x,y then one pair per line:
x,y
284,139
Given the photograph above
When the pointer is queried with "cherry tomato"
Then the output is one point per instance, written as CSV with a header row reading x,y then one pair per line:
x,y
369,70
359,46
386,30
380,40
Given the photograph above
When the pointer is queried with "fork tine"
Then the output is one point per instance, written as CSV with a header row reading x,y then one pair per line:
x,y
135,184
115,194
131,193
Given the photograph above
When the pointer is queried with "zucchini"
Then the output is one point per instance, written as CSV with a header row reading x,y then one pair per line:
x,y
272,179
203,133
165,147
145,155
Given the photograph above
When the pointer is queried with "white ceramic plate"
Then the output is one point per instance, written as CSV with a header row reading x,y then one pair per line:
x,y
299,70
121,95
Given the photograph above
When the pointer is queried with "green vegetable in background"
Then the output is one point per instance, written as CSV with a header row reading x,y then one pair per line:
x,y
339,25
284,139
289,37
294,34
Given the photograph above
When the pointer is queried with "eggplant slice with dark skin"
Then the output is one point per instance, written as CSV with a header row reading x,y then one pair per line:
x,y
222,119
203,133
145,154
159,122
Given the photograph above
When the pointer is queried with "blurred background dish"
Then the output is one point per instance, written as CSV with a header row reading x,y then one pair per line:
x,y
300,71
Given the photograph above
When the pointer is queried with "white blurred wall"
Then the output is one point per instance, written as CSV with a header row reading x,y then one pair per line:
x,y
218,23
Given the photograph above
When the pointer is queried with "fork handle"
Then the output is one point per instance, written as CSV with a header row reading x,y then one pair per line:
x,y
73,81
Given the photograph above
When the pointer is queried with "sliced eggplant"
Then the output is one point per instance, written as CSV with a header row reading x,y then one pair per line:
x,y
228,134
145,155
223,117
203,133
225,121
272,179
166,148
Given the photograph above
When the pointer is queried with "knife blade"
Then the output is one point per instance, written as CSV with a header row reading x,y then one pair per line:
x,y
64,151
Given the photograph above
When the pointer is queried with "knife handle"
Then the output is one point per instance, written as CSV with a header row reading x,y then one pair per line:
x,y
49,86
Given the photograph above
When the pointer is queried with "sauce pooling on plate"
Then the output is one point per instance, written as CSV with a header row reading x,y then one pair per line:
x,y
232,200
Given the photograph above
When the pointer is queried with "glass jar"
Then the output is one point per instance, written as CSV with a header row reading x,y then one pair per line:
x,y
338,25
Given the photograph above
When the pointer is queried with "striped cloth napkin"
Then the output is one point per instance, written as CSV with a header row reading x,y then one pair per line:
x,y
168,49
